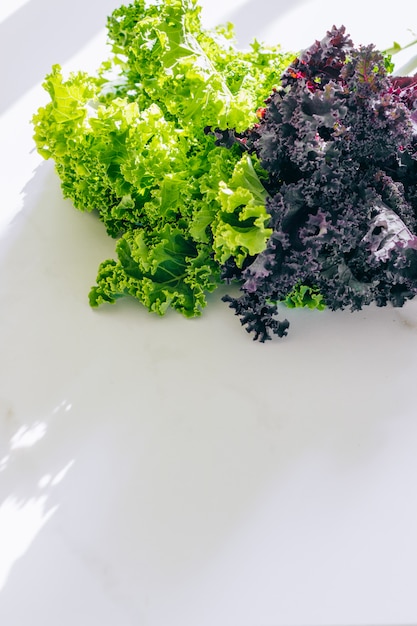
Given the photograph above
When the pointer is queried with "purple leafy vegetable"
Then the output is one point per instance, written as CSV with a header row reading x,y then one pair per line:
x,y
338,142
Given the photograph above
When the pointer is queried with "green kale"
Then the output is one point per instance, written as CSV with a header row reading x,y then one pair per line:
x,y
131,144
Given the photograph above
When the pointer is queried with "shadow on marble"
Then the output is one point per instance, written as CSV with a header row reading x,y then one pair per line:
x,y
153,444
26,51
254,15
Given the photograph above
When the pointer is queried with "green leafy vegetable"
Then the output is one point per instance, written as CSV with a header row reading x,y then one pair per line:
x,y
131,144
240,227
161,270
388,53
305,296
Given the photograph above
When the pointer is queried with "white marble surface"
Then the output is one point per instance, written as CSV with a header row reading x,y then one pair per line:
x,y
167,472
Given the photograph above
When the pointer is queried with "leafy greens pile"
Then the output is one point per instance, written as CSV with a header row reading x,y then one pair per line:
x,y
294,178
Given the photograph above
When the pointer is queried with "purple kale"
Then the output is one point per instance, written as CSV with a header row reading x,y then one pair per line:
x,y
338,142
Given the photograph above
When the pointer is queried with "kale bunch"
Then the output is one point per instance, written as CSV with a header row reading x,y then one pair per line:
x,y
338,143
129,145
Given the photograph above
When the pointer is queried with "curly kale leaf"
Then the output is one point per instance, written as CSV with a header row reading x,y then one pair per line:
x,y
196,75
240,228
163,269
